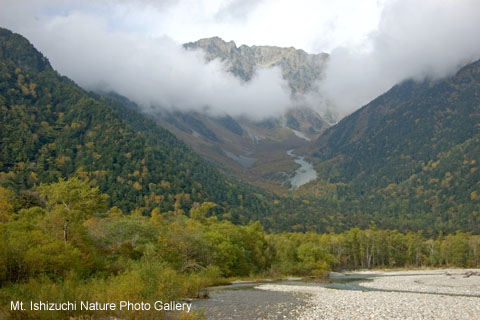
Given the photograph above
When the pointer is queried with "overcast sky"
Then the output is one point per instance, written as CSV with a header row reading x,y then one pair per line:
x,y
133,47
312,25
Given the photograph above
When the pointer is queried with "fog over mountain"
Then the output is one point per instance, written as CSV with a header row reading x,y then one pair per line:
x,y
415,39
131,47
155,71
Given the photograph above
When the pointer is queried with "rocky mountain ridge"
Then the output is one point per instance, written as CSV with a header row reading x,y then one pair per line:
x,y
299,68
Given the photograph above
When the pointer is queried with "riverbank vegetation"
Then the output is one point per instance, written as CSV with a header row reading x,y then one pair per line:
x,y
60,242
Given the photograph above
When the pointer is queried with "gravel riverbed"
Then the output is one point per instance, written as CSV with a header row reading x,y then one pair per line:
x,y
241,303
437,294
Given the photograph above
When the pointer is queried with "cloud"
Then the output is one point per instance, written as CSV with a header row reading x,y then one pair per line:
x,y
415,39
153,71
312,25
237,10
127,46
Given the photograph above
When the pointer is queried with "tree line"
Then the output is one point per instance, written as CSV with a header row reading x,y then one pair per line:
x,y
66,243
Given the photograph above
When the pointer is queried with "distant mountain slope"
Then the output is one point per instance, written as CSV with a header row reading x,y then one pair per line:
x,y
398,133
252,151
50,128
410,158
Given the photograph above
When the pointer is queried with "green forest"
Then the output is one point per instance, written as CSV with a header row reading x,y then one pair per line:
x,y
72,246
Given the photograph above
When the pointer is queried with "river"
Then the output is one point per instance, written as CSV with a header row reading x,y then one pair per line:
x,y
243,301
302,175
412,294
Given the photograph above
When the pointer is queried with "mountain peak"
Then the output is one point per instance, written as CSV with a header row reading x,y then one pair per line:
x,y
213,42
299,68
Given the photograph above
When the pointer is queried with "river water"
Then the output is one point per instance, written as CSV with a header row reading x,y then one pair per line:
x,y
246,302
243,301
302,175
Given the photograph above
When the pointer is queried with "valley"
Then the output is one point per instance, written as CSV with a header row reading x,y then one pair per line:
x,y
254,150
105,197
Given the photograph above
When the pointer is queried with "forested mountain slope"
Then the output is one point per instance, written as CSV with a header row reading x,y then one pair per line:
x,y
407,161
50,129
398,133
410,157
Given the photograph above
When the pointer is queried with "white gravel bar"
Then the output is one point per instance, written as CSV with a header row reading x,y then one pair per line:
x,y
426,294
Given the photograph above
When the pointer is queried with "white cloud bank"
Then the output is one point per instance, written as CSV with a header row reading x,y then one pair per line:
x,y
127,46
415,39
152,71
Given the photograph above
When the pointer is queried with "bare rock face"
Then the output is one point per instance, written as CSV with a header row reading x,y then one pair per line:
x,y
299,68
